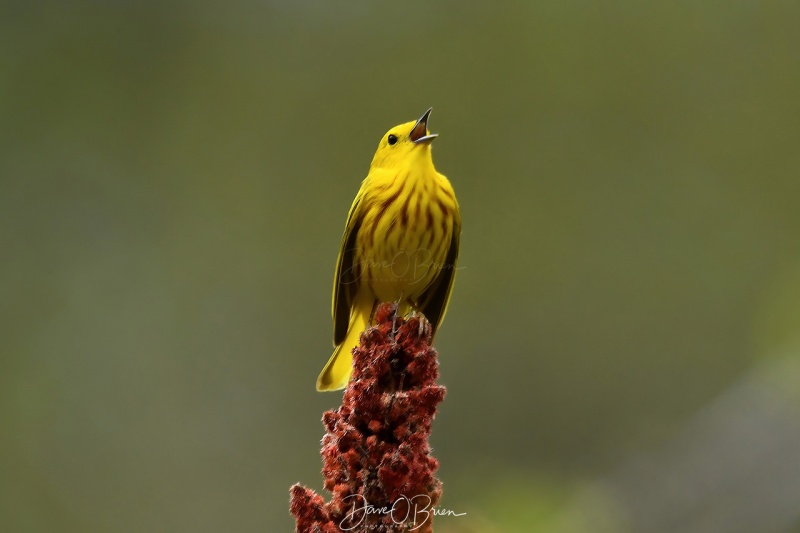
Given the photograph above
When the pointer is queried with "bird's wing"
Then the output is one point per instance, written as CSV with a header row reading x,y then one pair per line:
x,y
344,283
433,301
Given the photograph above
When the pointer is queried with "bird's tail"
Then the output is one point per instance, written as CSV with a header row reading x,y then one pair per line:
x,y
336,373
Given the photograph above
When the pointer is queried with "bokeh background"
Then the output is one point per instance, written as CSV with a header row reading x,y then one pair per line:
x,y
621,347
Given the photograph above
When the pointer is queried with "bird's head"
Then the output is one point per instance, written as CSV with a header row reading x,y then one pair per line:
x,y
406,144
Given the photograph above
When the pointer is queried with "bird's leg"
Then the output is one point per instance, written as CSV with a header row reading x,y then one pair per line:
x,y
394,319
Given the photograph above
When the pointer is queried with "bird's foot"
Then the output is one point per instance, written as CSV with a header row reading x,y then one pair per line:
x,y
394,325
394,318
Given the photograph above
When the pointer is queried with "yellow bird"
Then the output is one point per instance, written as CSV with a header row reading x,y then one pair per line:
x,y
400,244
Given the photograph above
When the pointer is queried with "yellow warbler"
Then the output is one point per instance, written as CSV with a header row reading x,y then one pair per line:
x,y
400,244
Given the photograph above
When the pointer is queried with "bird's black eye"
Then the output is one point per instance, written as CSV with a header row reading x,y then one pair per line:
x,y
392,139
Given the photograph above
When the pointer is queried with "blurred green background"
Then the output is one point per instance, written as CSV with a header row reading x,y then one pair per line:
x,y
175,177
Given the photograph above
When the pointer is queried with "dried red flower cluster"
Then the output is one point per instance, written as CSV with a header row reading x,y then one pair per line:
x,y
377,460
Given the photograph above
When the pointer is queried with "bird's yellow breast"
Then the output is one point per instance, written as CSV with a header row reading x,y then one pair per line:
x,y
405,233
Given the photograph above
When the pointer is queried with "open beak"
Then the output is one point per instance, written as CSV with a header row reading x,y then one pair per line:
x,y
419,133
